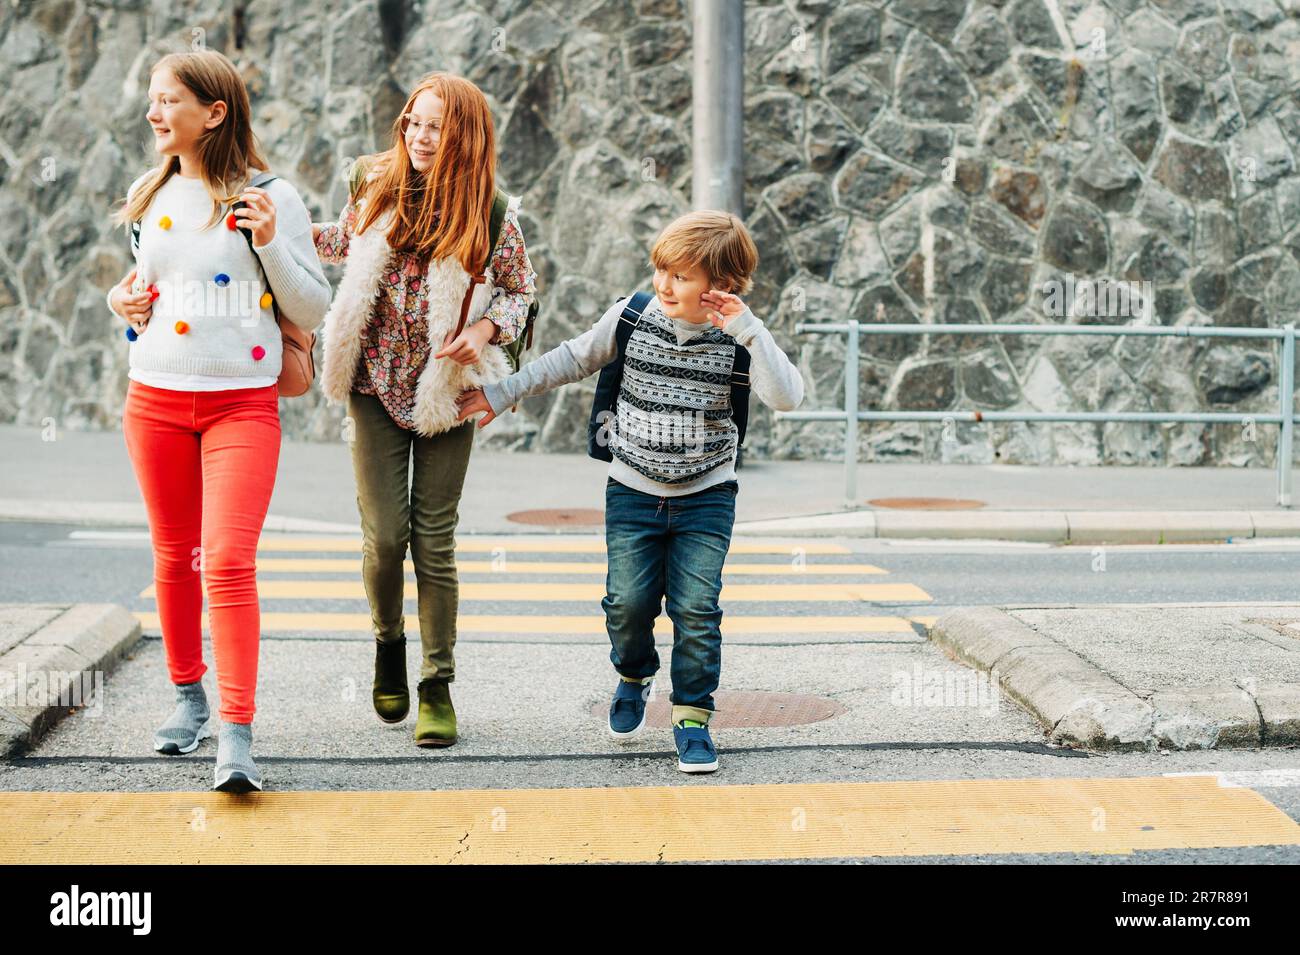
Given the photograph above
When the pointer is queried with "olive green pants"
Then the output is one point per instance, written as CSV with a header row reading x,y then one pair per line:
x,y
408,492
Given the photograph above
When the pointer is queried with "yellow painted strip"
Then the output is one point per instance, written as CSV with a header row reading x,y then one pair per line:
x,y
537,593
350,565
668,823
732,624
924,621
530,545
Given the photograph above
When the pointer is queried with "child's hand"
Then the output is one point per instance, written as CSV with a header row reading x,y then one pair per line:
x,y
467,348
722,306
132,301
471,402
257,215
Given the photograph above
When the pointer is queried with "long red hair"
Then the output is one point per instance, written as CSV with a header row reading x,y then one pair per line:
x,y
447,210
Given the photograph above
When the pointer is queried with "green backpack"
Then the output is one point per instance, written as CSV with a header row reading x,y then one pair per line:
x,y
514,349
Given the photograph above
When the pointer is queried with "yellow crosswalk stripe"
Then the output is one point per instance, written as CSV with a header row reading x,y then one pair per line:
x,y
352,565
656,823
530,545
732,624
540,593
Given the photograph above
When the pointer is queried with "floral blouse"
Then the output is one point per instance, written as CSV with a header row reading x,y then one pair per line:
x,y
395,342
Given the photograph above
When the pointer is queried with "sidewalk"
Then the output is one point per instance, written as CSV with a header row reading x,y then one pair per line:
x,y
85,477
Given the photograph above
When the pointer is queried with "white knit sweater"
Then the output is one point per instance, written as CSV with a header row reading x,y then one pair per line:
x,y
209,318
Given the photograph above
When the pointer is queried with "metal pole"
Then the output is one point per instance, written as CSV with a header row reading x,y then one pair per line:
x,y
1286,408
717,106
851,418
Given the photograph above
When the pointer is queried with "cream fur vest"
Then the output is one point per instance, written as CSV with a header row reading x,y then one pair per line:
x,y
442,379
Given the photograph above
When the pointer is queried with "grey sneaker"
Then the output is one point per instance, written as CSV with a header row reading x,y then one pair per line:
x,y
236,771
188,724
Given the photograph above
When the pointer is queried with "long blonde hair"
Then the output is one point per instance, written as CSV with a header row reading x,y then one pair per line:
x,y
226,152
445,211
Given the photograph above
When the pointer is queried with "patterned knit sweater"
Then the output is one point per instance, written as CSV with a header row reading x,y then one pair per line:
x,y
673,433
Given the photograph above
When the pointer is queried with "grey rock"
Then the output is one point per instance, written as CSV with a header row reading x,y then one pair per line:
x,y
931,86
857,97
1006,287
1204,48
852,33
999,231
925,147
988,382
1074,237
1031,24
830,140
982,44
873,184
1261,153
1109,178
1229,373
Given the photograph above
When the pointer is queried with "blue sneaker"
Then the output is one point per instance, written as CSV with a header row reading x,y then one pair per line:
x,y
627,709
695,750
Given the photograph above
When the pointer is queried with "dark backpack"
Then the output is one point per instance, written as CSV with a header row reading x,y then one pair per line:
x,y
514,349
611,380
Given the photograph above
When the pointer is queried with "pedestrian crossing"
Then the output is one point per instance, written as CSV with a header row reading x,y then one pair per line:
x,y
928,818
534,584
818,588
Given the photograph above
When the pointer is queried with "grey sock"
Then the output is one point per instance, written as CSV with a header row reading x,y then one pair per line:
x,y
234,756
188,723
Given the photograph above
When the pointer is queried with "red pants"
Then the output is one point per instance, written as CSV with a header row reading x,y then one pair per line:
x,y
205,462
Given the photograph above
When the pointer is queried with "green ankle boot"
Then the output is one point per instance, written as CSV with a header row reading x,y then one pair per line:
x,y
435,725
391,696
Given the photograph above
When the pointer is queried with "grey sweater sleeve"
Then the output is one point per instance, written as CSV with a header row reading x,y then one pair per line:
x,y
567,362
292,266
772,376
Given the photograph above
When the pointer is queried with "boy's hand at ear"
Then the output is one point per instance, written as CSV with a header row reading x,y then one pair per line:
x,y
471,402
722,306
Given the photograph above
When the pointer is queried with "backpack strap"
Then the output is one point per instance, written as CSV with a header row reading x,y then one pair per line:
x,y
496,220
740,392
357,176
627,323
611,376
258,181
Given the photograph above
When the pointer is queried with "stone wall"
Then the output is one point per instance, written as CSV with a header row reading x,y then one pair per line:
x,y
907,161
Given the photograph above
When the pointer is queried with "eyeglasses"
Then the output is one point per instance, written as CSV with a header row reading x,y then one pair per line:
x,y
409,123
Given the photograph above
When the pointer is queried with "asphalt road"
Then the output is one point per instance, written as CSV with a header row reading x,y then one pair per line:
x,y
527,699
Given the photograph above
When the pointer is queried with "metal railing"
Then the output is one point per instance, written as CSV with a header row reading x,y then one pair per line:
x,y
850,415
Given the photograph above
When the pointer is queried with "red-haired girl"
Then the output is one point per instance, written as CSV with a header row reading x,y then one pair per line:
x,y
415,235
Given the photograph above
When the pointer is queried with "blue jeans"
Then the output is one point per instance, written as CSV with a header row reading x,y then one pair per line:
x,y
670,547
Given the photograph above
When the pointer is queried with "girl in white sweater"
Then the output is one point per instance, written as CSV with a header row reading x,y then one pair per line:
x,y
202,421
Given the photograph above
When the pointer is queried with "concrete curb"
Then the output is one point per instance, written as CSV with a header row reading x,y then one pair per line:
x,y
1076,703
124,514
1057,527
1080,705
58,660
1031,526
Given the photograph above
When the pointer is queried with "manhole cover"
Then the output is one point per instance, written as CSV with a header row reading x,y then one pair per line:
x,y
744,708
927,503
560,517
